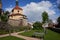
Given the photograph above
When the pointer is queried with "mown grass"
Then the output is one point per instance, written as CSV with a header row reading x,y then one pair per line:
x,y
49,36
3,32
30,33
52,35
10,38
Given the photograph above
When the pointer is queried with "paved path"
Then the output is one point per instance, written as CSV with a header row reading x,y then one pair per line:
x,y
24,37
20,36
4,35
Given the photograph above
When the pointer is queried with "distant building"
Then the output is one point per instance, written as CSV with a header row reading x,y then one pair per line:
x,y
30,24
51,24
16,18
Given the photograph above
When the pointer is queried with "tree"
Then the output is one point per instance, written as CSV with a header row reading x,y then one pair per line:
x,y
37,25
58,25
45,17
5,17
58,20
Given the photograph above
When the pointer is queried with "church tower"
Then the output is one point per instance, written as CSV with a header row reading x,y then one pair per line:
x,y
0,4
17,18
1,10
16,2
17,9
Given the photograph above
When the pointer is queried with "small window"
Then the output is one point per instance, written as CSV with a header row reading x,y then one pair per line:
x,y
18,11
12,10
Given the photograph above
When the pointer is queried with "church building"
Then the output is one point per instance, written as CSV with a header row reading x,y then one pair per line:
x,y
17,18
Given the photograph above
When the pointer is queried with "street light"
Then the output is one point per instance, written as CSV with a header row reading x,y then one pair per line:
x,y
45,25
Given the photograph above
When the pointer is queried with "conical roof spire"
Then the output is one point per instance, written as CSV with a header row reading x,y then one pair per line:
x,y
16,2
0,3
0,0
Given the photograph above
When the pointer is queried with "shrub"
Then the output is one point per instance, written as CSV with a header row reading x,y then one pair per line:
x,y
37,25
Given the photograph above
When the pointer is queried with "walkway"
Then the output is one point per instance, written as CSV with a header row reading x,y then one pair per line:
x,y
20,36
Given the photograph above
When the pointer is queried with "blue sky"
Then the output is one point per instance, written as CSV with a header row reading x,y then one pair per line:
x,y
7,3
36,10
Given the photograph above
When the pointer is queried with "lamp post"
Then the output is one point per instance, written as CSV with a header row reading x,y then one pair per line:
x,y
45,25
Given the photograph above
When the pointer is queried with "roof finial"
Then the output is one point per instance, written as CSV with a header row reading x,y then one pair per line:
x,y
0,1
16,2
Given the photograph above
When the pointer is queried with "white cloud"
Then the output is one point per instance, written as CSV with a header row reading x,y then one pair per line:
x,y
8,9
58,1
34,10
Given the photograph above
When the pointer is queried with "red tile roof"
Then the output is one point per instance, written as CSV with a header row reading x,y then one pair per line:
x,y
17,7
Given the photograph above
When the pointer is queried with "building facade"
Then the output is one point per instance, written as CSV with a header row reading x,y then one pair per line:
x,y
17,18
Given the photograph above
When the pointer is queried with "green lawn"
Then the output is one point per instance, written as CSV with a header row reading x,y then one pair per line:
x,y
52,35
49,36
3,32
29,33
10,38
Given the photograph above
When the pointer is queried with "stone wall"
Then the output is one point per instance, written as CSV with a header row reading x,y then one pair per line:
x,y
21,22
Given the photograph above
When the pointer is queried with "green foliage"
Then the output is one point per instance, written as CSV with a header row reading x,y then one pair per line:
x,y
20,28
52,35
3,32
49,36
45,17
58,20
3,23
4,17
10,38
5,28
58,25
37,25
6,13
30,33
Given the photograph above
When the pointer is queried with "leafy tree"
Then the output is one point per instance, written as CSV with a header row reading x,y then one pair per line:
x,y
5,17
58,25
3,23
58,20
45,17
37,25
1,11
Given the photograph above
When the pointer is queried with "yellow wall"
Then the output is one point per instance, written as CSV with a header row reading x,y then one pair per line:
x,y
16,11
16,17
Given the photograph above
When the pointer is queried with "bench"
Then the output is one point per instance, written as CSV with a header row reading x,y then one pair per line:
x,y
38,35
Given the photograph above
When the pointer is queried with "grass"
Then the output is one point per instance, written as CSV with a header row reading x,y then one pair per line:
x,y
10,38
52,35
29,33
49,36
3,32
